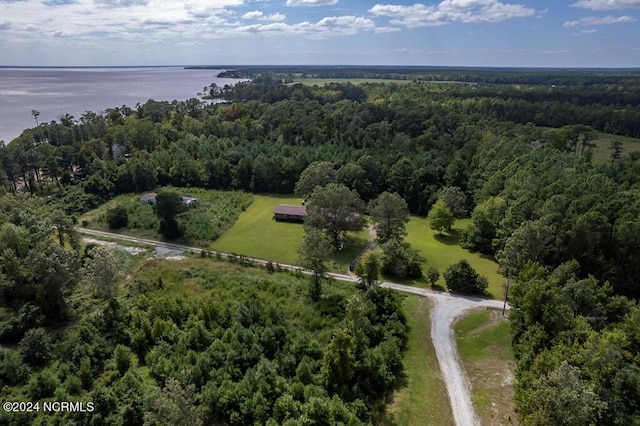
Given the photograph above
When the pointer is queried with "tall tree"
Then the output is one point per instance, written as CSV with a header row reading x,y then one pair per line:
x,y
390,214
168,206
102,271
317,174
368,269
336,210
314,252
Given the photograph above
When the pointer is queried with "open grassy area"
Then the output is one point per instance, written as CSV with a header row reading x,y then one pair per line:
x,y
443,250
421,397
323,81
256,234
602,150
484,343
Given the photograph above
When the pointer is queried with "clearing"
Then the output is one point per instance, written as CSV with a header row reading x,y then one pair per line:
x,y
443,250
484,344
257,234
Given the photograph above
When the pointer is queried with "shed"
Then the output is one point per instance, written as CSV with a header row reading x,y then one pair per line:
x,y
149,198
289,212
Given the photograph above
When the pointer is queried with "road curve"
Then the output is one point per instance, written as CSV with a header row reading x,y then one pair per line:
x,y
447,308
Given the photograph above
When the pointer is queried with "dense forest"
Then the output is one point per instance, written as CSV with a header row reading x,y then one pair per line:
x,y
562,224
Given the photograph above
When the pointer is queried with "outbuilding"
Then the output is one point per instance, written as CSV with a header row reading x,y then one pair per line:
x,y
290,213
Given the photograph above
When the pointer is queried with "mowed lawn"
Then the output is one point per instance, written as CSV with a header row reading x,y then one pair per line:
x,y
256,234
443,250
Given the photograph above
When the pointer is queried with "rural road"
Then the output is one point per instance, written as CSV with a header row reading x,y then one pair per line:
x,y
447,308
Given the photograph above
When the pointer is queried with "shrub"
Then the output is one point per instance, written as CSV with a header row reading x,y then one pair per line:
x,y
462,278
400,259
117,217
35,347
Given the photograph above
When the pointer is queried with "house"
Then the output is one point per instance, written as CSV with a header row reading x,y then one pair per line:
x,y
290,213
150,198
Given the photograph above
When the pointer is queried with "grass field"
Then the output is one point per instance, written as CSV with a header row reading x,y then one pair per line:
x,y
443,250
256,234
602,150
421,397
484,343
323,81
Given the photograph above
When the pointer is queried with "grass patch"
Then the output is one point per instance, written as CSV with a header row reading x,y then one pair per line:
x,y
323,81
443,250
484,343
602,150
256,234
213,214
421,396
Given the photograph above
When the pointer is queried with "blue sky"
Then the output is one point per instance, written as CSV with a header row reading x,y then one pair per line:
x,y
544,33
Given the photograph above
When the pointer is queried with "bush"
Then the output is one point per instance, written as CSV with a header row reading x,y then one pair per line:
x,y
117,217
400,259
462,278
35,347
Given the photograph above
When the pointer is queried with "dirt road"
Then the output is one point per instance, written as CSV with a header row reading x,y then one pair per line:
x,y
447,308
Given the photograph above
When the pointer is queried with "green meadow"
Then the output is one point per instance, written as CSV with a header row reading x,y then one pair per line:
x,y
442,250
256,234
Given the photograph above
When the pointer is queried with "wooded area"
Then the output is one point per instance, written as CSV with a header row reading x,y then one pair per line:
x,y
515,158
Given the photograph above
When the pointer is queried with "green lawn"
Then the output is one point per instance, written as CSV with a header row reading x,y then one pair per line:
x,y
256,234
484,343
421,396
443,250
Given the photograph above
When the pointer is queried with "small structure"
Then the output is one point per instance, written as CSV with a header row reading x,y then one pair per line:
x,y
150,198
188,201
289,212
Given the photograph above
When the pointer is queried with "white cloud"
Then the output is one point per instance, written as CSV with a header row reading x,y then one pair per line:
x,y
253,15
607,4
326,27
274,17
449,11
256,14
311,2
600,20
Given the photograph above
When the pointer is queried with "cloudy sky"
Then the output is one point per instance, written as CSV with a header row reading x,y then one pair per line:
x,y
594,33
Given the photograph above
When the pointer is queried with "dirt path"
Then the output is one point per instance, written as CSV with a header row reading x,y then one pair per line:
x,y
447,308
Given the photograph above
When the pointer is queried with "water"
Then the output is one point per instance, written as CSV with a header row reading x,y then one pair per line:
x,y
59,91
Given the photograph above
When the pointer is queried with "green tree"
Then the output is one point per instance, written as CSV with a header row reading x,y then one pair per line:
x,y
455,200
117,217
35,347
314,252
368,269
102,271
336,210
440,218
616,150
390,213
462,278
530,242
317,174
433,275
168,206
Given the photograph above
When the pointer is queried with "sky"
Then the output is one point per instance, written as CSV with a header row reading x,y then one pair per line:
x,y
511,33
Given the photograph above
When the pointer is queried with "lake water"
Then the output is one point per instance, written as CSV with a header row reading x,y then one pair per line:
x,y
58,91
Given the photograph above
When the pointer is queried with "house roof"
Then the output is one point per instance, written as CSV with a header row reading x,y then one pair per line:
x,y
290,210
148,197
